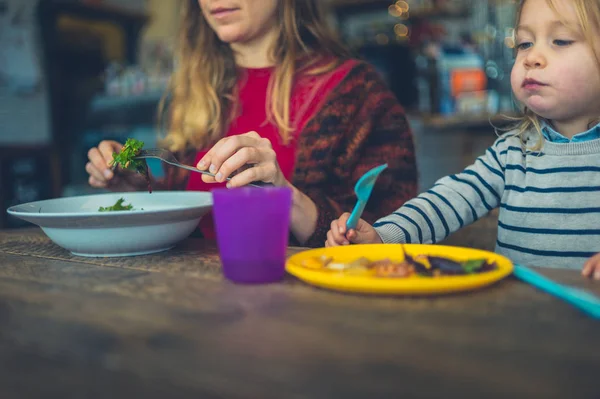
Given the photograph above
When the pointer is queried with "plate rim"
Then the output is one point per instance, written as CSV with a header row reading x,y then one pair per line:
x,y
69,215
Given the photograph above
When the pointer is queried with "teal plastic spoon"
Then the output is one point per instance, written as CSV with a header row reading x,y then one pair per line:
x,y
584,300
363,189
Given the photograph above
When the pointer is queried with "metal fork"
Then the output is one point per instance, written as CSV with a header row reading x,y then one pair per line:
x,y
168,157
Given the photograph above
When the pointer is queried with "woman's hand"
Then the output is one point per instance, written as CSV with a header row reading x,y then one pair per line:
x,y
248,158
591,268
250,155
101,174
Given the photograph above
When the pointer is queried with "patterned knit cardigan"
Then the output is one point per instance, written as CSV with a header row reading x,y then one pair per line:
x,y
360,125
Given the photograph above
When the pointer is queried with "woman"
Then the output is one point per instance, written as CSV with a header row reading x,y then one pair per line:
x,y
265,87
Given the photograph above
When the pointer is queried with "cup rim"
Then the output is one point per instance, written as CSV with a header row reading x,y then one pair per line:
x,y
245,189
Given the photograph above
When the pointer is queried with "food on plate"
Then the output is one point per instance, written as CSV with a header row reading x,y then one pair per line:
x,y
126,159
118,206
420,265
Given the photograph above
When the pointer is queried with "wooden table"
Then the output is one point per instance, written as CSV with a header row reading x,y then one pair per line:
x,y
168,326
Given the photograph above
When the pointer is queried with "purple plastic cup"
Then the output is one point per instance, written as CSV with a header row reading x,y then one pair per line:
x,y
252,226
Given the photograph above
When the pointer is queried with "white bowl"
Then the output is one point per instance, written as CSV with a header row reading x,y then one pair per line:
x,y
158,221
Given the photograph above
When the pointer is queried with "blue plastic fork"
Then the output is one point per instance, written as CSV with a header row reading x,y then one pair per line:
x,y
582,299
363,189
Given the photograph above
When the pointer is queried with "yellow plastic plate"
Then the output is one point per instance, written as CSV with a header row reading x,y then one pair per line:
x,y
414,285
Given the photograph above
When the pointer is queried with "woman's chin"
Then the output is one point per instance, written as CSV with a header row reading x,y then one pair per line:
x,y
230,36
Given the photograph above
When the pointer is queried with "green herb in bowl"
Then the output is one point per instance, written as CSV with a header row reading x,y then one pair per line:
x,y
118,206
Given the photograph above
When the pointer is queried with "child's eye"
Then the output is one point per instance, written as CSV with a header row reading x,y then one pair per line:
x,y
524,46
563,42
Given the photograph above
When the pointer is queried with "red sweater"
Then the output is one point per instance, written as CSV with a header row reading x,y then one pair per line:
x,y
355,125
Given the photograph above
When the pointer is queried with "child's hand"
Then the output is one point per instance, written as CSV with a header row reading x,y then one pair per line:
x,y
363,234
591,268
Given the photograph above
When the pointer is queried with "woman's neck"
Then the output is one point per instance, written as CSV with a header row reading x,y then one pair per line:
x,y
255,53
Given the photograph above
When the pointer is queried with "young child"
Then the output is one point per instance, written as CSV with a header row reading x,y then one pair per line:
x,y
545,175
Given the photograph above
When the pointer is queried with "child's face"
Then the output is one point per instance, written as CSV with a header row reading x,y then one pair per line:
x,y
555,74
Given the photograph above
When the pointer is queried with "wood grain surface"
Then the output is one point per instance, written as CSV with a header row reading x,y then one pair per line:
x,y
169,326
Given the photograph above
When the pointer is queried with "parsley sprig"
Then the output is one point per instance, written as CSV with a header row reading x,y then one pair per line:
x,y
118,206
125,158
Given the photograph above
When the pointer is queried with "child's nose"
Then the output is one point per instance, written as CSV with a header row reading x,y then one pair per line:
x,y
535,58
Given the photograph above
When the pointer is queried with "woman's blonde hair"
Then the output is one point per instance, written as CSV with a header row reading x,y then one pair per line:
x,y
588,15
202,100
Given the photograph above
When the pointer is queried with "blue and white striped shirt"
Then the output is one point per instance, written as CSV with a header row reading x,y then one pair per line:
x,y
549,203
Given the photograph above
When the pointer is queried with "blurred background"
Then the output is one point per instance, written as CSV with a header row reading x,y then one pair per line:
x,y
75,72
